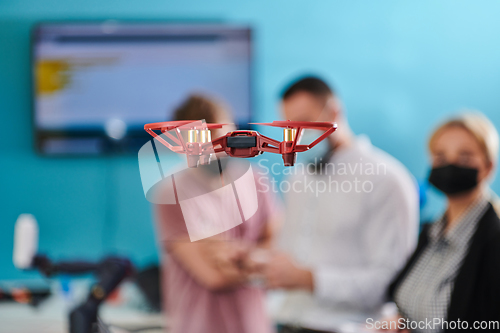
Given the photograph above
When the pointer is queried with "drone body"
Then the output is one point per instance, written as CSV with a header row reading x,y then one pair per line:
x,y
199,146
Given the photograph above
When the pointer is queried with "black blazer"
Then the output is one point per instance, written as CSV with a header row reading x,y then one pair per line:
x,y
476,294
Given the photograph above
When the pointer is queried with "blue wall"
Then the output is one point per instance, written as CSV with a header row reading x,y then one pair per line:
x,y
399,65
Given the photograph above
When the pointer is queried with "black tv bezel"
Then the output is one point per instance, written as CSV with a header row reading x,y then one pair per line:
x,y
121,147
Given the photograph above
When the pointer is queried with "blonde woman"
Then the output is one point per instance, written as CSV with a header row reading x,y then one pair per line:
x,y
453,278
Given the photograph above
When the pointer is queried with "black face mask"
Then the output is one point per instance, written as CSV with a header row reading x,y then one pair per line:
x,y
453,179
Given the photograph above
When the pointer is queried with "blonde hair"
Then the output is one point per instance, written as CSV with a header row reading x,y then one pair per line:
x,y
479,126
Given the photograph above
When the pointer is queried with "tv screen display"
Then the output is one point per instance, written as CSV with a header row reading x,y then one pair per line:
x,y
97,84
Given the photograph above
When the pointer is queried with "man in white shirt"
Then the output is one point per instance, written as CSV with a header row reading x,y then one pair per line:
x,y
350,224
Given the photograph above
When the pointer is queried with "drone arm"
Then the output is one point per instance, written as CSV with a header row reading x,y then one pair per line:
x,y
323,136
173,138
268,145
220,141
301,148
159,138
176,149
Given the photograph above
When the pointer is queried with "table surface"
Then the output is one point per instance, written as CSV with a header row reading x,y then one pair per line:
x,y
51,316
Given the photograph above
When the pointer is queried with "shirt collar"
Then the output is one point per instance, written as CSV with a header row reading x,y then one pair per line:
x,y
359,143
463,230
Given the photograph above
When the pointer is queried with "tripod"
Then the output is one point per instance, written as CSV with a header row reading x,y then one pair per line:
x,y
109,272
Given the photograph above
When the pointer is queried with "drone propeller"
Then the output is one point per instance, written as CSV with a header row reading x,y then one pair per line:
x,y
197,146
292,132
300,124
170,125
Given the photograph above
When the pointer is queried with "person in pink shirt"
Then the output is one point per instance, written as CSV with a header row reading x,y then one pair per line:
x,y
205,282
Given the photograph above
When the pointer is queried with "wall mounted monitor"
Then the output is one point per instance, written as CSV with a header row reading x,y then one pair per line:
x,y
96,84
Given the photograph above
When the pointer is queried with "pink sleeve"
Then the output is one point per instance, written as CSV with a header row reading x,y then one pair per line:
x,y
269,204
170,223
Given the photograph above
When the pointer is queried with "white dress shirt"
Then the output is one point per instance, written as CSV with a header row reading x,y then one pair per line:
x,y
354,235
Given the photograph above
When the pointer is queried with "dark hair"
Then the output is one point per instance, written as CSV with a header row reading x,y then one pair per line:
x,y
197,107
309,84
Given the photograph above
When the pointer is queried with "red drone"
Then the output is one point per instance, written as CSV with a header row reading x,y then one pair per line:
x,y
241,143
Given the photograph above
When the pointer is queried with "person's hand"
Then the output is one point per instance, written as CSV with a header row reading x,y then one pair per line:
x,y
213,263
227,257
223,253
281,272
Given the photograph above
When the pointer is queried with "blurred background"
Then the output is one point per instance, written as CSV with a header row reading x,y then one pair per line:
x,y
399,67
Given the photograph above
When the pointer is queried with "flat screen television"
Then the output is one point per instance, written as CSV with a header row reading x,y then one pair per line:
x,y
95,85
